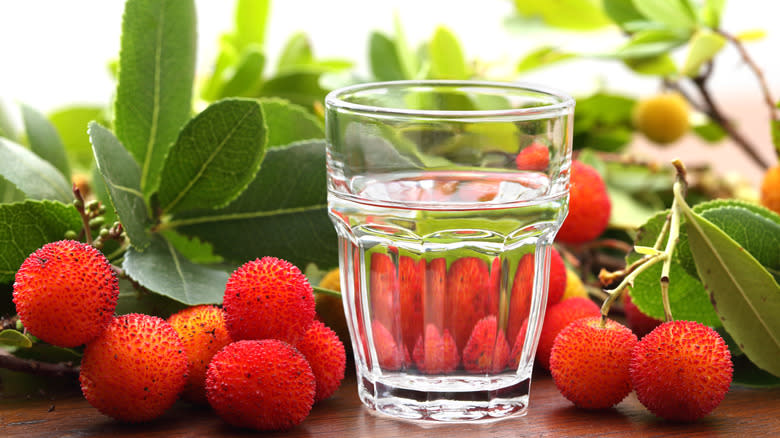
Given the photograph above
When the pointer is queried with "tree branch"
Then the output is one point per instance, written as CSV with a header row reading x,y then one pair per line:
x,y
63,369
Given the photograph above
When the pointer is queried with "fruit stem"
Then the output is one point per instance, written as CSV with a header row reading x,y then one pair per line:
x,y
29,366
85,216
633,271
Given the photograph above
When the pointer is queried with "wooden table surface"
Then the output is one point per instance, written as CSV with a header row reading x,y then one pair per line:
x,y
745,411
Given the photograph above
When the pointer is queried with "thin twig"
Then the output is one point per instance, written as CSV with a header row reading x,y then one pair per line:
x,y
62,369
757,72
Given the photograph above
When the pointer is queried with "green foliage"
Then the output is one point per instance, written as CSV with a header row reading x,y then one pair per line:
x,y
384,61
71,124
744,294
603,121
161,268
282,213
156,71
44,140
29,225
13,338
122,177
217,154
688,298
447,59
541,57
704,45
34,176
566,14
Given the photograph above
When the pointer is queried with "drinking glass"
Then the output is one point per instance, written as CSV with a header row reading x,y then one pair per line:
x,y
446,197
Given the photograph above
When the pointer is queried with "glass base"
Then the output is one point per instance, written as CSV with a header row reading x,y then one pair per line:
x,y
501,399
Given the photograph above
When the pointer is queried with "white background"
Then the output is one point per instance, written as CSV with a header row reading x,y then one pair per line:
x,y
55,53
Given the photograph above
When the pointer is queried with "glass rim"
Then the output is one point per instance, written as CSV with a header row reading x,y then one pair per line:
x,y
564,102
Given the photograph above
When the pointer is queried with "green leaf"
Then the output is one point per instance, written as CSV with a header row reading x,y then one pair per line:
x,y
289,123
751,35
226,59
9,192
13,338
44,140
603,122
542,57
754,228
704,45
251,18
28,226
409,60
709,131
627,213
156,73
300,87
621,11
122,177
193,249
283,213
383,58
71,124
295,53
675,14
8,127
658,65
31,174
247,75
566,14
746,373
163,270
217,154
688,298
135,301
447,59
711,12
650,43
746,297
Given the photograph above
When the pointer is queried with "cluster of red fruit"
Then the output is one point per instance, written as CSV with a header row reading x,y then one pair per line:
x,y
462,326
261,361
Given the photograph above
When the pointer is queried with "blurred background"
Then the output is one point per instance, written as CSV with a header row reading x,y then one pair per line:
x,y
56,54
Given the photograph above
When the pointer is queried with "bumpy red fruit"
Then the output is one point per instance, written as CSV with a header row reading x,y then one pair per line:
x,y
263,385
681,370
65,293
326,356
436,352
135,370
411,275
640,323
556,318
469,297
268,298
589,206
203,332
523,286
383,290
589,363
487,349
390,354
535,156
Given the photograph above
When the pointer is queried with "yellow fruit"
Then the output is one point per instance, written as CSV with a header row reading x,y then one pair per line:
x,y
331,280
770,189
574,286
330,309
662,118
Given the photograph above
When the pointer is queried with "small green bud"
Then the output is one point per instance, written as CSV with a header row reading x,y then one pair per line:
x,y
96,222
78,203
104,232
93,205
71,235
19,325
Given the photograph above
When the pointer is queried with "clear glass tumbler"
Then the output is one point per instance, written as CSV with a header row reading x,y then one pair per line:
x,y
446,196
